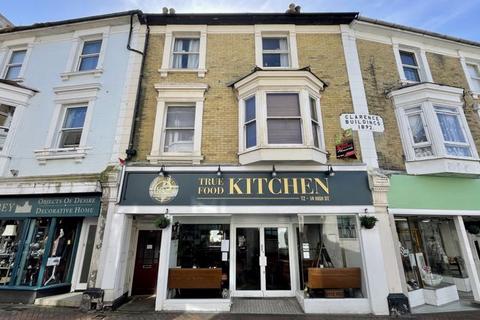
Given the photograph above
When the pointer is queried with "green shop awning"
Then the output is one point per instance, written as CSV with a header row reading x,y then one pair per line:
x,y
69,205
441,193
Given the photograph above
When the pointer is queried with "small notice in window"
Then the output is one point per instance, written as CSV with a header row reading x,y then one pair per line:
x,y
224,256
306,255
225,245
149,246
53,261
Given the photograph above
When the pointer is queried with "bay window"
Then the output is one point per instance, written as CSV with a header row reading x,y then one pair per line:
x,y
280,111
434,131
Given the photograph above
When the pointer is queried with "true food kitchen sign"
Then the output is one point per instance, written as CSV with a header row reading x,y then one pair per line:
x,y
252,188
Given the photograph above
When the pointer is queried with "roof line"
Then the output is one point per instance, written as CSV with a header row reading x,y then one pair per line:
x,y
417,30
70,21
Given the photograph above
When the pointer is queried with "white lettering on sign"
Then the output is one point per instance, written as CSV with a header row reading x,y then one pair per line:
x,y
361,122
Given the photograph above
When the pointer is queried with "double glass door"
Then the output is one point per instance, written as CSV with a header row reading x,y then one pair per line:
x,y
262,261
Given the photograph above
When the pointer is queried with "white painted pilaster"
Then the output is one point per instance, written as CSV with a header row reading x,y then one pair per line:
x,y
164,263
468,257
359,99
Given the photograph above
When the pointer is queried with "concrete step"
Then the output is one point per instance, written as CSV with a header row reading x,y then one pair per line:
x,y
72,299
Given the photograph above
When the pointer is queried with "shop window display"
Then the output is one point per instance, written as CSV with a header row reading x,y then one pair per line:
x,y
329,257
60,253
10,236
430,251
199,252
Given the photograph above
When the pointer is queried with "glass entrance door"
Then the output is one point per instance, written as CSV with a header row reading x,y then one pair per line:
x,y
262,261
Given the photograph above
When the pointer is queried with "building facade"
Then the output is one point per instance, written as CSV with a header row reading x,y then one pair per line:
x,y
67,91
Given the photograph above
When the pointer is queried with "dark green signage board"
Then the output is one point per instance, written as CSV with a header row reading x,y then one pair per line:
x,y
50,206
252,188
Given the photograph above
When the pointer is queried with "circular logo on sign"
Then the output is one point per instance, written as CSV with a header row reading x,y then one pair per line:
x,y
163,189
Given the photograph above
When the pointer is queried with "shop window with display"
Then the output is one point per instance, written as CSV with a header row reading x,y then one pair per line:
x,y
330,257
10,235
199,263
430,252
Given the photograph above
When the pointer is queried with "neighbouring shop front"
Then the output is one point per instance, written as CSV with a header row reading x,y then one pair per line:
x,y
39,238
237,233
435,220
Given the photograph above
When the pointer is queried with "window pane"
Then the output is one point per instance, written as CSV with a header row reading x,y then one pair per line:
x,y
187,45
451,129
251,134
458,151
88,63
250,109
75,117
70,138
274,44
18,56
275,60
313,109
179,141
411,74
185,61
408,58
13,72
473,70
282,104
315,130
418,129
10,242
282,131
91,47
423,152
181,117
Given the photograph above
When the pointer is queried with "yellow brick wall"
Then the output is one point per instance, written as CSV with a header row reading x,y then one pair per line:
x,y
324,54
229,57
449,71
379,72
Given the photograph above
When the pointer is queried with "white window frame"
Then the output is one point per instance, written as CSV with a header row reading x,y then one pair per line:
x,y
419,111
165,128
61,128
65,97
301,117
464,62
276,31
279,51
78,39
423,68
89,55
245,123
179,37
6,50
262,83
9,120
184,94
173,32
428,96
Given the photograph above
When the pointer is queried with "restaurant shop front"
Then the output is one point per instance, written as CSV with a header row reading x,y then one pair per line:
x,y
39,244
198,237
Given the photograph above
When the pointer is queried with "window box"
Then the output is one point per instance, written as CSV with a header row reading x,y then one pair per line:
x,y
434,132
280,111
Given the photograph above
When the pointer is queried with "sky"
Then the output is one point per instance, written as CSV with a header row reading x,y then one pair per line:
x,y
455,18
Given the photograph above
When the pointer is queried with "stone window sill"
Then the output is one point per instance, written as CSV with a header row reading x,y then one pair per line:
x,y
44,155
175,159
444,166
67,75
164,72
299,154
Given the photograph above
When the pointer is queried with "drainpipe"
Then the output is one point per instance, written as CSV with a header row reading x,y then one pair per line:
x,y
131,152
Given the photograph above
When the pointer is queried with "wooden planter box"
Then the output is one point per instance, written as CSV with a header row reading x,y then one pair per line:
x,y
334,278
194,278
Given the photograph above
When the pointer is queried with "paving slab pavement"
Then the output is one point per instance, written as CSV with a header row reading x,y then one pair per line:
x,y
30,312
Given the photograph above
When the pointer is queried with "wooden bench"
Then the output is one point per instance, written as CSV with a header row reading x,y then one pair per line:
x,y
194,278
334,278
